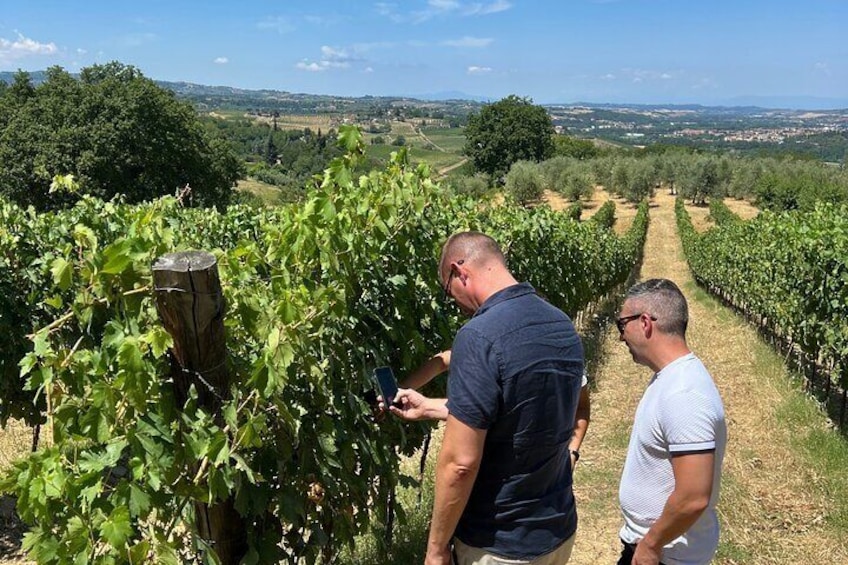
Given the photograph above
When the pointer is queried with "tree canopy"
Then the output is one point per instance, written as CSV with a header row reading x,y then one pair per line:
x,y
511,130
115,131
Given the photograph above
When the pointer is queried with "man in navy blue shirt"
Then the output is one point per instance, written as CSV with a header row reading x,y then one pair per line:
x,y
503,477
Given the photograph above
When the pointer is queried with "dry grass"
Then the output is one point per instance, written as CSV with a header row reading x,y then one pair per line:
x,y
268,193
291,121
742,208
15,442
624,211
700,215
702,221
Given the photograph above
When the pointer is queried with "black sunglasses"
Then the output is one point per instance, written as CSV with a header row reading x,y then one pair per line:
x,y
448,282
622,322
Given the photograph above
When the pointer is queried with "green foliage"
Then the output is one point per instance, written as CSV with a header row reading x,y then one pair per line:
x,y
115,132
474,186
721,214
524,182
787,270
568,176
574,211
700,179
318,293
605,216
508,131
567,146
791,185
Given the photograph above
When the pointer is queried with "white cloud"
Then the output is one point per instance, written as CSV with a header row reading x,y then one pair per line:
x,y
474,70
333,54
823,68
81,51
221,61
335,58
311,67
484,9
642,75
608,76
469,42
442,8
280,24
368,70
22,47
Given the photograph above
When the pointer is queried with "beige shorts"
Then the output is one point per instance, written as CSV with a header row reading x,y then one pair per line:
x,y
467,555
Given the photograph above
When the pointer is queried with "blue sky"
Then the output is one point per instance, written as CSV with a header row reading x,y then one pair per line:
x,y
639,51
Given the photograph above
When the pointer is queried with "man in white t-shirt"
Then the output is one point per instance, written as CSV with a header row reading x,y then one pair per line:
x,y
670,483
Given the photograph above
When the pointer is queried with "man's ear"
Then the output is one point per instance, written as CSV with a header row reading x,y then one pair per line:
x,y
647,325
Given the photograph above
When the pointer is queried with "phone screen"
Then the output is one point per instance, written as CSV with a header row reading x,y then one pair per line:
x,y
386,381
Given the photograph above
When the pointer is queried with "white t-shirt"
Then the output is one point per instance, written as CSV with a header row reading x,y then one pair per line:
x,y
681,411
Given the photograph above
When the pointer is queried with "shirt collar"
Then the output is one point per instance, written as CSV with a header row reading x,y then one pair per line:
x,y
508,293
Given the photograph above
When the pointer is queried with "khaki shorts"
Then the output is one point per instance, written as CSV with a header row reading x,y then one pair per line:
x,y
467,555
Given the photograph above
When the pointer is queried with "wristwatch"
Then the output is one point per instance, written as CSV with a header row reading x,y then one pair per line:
x,y
576,454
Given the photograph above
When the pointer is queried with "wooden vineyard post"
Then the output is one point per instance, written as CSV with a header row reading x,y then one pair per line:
x,y
191,306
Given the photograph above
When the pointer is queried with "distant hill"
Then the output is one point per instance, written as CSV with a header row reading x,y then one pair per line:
x,y
446,95
791,102
740,105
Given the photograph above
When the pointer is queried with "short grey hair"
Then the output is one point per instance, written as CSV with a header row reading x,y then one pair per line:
x,y
662,299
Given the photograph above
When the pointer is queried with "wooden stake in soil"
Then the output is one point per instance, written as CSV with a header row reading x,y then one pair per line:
x,y
191,306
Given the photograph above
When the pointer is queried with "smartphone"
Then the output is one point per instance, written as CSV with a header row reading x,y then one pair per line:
x,y
385,378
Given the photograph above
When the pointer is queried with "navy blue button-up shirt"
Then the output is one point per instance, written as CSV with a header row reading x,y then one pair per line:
x,y
516,371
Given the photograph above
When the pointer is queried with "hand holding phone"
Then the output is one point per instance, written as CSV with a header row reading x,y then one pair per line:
x,y
387,384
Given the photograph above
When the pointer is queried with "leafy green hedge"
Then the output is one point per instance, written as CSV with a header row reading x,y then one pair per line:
x,y
788,271
721,214
318,294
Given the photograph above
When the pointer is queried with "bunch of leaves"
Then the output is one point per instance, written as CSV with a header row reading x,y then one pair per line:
x,y
789,270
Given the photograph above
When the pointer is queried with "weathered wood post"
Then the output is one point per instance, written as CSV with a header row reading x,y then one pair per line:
x,y
191,306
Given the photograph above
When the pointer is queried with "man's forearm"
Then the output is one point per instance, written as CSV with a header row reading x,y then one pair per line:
x,y
434,366
456,470
453,487
678,515
437,409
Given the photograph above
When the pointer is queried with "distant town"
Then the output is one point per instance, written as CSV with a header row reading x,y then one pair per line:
x,y
816,134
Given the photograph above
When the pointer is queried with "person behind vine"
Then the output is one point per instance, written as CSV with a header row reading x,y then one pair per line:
x,y
503,477
440,363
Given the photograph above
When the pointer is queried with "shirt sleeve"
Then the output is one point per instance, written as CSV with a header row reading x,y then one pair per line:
x,y
689,421
474,390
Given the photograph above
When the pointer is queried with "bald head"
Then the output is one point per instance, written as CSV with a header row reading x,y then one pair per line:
x,y
472,248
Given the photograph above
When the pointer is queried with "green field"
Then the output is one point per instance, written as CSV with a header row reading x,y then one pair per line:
x,y
417,154
450,139
422,148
